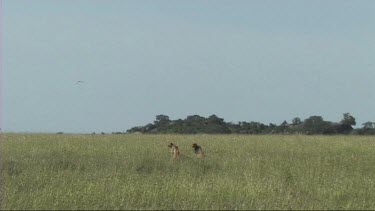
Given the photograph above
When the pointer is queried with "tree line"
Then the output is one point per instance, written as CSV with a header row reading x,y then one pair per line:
x,y
196,124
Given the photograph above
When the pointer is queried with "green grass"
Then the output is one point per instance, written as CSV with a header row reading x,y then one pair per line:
x,y
44,171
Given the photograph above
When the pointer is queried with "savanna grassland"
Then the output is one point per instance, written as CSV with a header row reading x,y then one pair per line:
x,y
51,171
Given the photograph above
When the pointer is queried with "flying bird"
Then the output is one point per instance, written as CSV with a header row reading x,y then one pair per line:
x,y
79,82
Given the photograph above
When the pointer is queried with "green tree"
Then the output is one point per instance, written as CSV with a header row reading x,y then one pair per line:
x,y
161,123
194,124
296,121
368,125
161,118
348,119
315,125
214,124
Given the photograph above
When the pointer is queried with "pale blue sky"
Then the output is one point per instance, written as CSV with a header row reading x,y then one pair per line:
x,y
265,61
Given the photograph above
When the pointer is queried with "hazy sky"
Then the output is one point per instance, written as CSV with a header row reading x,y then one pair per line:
x,y
265,61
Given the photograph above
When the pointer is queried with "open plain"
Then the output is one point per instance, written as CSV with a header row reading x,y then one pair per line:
x,y
67,171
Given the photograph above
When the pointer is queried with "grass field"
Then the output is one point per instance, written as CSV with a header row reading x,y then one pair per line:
x,y
48,171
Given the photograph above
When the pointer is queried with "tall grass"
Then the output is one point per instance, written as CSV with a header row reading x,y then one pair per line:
x,y
43,171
